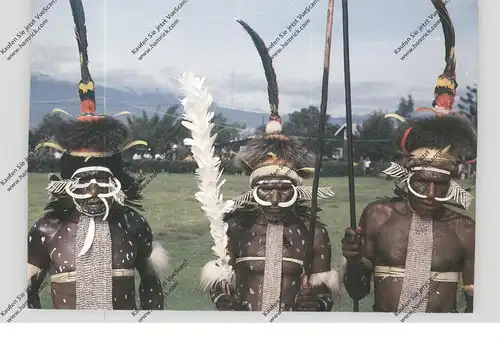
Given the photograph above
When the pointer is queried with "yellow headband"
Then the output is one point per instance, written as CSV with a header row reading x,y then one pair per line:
x,y
433,155
86,153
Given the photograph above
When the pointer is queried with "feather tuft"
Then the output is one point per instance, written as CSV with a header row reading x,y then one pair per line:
x,y
273,127
198,120
213,273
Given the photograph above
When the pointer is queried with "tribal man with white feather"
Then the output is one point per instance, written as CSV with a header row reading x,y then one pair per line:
x,y
415,247
91,238
268,226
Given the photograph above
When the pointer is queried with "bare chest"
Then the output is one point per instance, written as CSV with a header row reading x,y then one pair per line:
x,y
391,243
251,248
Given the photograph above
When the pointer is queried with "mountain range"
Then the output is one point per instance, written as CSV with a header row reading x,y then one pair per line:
x,y
48,93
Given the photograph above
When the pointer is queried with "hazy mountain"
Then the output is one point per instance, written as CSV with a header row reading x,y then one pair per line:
x,y
48,93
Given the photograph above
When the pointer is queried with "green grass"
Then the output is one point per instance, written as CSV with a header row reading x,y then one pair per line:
x,y
179,224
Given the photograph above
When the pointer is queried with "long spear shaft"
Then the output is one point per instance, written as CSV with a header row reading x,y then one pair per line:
x,y
348,114
321,135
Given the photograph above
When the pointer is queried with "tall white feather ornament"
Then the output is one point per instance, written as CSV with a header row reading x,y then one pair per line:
x,y
198,119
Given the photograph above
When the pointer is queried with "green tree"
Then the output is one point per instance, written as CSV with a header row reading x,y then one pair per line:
x,y
406,106
304,124
160,133
45,129
468,104
226,131
375,139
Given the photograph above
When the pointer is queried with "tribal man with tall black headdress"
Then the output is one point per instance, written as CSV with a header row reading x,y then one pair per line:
x,y
263,244
414,245
91,238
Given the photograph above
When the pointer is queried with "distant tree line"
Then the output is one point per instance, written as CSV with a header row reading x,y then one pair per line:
x,y
374,138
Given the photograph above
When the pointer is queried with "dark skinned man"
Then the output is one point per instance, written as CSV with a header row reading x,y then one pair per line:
x,y
269,225
91,239
415,246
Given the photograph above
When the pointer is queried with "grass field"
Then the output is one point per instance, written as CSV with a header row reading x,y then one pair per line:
x,y
178,223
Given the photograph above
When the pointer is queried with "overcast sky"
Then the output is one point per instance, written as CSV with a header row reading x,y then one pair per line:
x,y
208,42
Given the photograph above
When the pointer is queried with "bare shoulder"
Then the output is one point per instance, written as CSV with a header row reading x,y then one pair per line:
x,y
135,221
462,223
45,227
321,237
378,212
320,228
135,216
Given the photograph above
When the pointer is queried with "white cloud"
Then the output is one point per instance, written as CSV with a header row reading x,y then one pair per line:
x,y
208,42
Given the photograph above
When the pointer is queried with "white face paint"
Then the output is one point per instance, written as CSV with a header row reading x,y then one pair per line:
x,y
93,190
450,193
265,203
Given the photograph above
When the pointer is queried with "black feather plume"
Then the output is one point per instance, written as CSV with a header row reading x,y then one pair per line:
x,y
267,62
449,36
81,39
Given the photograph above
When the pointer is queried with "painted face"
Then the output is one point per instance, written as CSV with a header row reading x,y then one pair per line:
x,y
428,190
93,190
275,196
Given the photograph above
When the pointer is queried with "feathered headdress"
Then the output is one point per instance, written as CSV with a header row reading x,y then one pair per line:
x,y
273,154
444,95
89,134
438,139
90,139
434,144
446,85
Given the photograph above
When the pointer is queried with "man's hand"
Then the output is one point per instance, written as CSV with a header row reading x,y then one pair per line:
x,y
225,298
306,299
352,243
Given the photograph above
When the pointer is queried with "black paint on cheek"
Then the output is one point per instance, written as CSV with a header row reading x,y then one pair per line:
x,y
287,194
263,194
441,190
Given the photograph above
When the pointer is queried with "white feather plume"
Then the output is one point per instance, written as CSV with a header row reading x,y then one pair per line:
x,y
198,119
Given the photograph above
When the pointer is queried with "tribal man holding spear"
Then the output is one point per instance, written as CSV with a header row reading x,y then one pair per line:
x,y
415,247
261,236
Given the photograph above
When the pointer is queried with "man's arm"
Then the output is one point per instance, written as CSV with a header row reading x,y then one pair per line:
x,y
467,235
359,250
325,281
222,294
38,259
151,263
